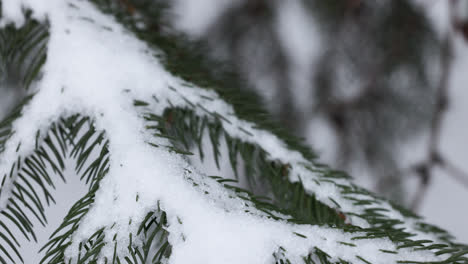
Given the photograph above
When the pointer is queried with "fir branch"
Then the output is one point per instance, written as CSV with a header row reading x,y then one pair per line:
x,y
28,176
293,199
23,51
83,146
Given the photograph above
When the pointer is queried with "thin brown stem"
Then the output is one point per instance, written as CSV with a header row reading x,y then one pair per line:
x,y
455,172
441,105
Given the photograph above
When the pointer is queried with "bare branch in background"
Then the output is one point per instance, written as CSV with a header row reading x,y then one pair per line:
x,y
434,158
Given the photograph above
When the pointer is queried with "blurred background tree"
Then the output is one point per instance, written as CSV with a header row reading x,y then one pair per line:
x,y
367,72
367,77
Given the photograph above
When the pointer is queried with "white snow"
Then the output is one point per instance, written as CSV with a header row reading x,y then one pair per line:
x,y
91,61
187,14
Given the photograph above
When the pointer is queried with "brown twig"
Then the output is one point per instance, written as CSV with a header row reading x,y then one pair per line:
x,y
454,171
436,124
435,159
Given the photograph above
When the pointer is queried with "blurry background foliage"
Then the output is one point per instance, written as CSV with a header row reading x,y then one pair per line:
x,y
362,81
368,71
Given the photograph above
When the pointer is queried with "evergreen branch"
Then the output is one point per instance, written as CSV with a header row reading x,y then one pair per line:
x,y
32,173
23,204
184,128
87,141
151,232
23,51
196,69
7,122
245,106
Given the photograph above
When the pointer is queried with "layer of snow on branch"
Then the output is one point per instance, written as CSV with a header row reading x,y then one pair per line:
x,y
92,61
